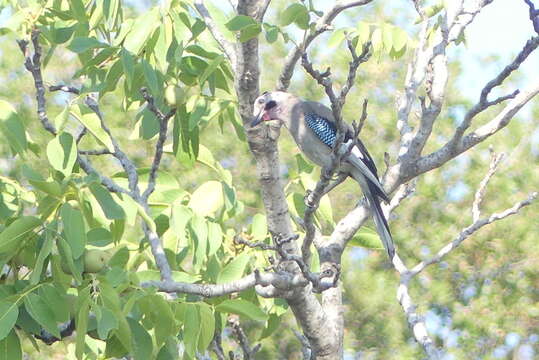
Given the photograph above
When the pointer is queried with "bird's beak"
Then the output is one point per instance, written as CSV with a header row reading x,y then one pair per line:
x,y
258,118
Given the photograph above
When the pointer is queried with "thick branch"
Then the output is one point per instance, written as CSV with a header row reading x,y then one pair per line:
x,y
280,281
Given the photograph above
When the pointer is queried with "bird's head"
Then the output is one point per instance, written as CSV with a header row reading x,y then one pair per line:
x,y
269,106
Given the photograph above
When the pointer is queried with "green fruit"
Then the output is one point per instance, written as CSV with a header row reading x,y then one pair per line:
x,y
175,95
95,260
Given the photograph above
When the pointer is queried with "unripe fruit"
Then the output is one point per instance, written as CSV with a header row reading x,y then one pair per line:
x,y
95,260
175,95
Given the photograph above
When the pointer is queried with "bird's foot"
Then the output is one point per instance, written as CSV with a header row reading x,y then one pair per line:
x,y
308,199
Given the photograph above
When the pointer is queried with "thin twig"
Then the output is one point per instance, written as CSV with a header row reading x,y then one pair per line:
x,y
64,88
128,166
323,24
262,10
484,103
33,65
163,126
248,351
226,45
468,231
479,194
95,152
217,347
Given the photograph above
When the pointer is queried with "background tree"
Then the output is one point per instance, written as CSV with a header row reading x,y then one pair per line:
x,y
130,215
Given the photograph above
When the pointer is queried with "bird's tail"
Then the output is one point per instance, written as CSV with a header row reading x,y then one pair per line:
x,y
382,227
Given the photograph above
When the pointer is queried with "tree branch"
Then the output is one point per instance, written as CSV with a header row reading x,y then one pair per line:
x,y
248,351
483,103
471,229
282,281
163,126
534,15
322,25
226,45
33,65
480,193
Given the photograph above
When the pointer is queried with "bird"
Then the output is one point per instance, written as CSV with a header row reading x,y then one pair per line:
x,y
312,125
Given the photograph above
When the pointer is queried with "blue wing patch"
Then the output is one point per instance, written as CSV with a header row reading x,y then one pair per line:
x,y
325,130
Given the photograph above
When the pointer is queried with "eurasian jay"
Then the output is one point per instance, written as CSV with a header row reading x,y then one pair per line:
x,y
312,126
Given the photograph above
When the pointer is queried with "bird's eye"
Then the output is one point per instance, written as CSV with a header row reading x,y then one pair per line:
x,y
261,100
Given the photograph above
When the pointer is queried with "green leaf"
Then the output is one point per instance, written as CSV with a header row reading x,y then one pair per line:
x,y
142,30
367,238
363,32
239,22
272,324
12,128
211,68
191,328
91,121
8,316
99,237
387,37
61,119
65,252
149,125
207,198
164,324
106,323
242,307
234,269
12,237
142,341
215,237
151,77
272,34
10,347
296,13
81,322
52,188
336,38
400,38
250,32
377,43
62,153
128,64
259,227
111,209
207,326
180,217
434,9
41,313
44,252
78,10
199,234
82,44
74,229
56,301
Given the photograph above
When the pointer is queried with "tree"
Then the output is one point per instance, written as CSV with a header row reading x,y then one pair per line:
x,y
135,261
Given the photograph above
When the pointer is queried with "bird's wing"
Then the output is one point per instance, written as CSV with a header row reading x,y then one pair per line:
x,y
320,120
